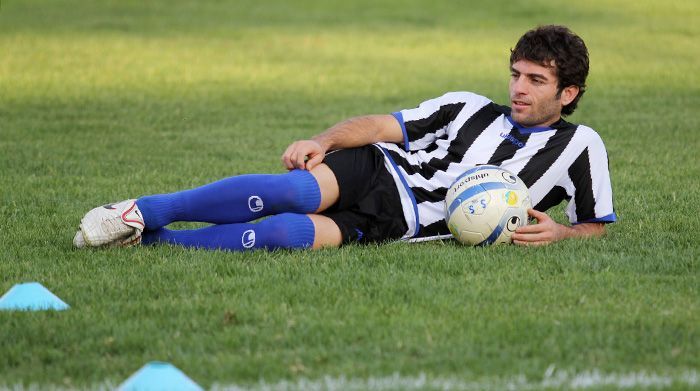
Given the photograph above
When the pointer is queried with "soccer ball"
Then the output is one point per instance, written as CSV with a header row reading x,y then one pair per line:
x,y
485,205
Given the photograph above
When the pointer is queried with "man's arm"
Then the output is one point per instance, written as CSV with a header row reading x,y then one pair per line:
x,y
548,231
354,132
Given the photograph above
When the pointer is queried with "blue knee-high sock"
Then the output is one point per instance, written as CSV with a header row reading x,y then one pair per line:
x,y
236,199
287,230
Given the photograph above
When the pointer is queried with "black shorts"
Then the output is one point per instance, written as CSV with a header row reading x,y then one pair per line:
x,y
369,208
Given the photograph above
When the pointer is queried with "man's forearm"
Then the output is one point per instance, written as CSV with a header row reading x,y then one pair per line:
x,y
359,131
547,230
584,230
354,132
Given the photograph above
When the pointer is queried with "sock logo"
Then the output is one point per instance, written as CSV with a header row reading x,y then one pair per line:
x,y
248,238
255,203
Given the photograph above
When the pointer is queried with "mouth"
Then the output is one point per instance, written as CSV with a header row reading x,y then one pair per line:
x,y
519,104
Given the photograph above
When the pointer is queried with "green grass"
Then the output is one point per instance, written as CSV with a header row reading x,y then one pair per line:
x,y
100,101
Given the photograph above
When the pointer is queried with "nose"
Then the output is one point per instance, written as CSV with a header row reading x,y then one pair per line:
x,y
517,85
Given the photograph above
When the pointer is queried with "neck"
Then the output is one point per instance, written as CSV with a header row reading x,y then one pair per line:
x,y
536,128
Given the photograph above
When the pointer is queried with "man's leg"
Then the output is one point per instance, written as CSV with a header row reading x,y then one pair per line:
x,y
231,200
235,199
287,230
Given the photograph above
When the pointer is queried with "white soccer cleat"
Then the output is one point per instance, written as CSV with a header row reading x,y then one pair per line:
x,y
133,240
117,224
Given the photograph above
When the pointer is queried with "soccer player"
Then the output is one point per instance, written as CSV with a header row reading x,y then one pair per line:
x,y
384,177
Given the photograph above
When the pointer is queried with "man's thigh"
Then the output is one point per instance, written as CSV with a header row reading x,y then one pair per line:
x,y
346,176
359,197
327,182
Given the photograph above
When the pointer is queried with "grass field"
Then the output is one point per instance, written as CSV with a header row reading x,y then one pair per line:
x,y
100,101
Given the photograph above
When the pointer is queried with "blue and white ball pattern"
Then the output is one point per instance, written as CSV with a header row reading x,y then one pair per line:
x,y
485,205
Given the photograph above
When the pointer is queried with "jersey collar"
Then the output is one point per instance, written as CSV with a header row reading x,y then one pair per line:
x,y
560,124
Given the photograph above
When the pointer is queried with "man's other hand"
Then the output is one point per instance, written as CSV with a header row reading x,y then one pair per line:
x,y
303,154
544,232
548,231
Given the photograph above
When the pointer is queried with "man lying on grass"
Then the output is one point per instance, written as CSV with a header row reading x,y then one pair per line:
x,y
384,177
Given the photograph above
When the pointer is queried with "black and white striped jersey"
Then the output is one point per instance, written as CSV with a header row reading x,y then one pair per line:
x,y
445,136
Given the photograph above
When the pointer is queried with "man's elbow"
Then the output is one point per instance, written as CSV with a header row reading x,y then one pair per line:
x,y
388,129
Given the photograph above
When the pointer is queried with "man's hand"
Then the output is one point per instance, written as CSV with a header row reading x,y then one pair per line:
x,y
544,232
548,231
304,154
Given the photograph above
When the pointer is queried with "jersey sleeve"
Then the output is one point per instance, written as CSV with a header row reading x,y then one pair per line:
x,y
592,198
424,124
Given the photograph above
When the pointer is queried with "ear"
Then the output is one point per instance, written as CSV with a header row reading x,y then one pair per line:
x,y
568,94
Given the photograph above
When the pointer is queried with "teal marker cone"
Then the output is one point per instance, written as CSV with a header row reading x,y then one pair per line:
x,y
31,296
159,376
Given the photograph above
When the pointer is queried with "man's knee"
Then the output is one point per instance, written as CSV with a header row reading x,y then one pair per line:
x,y
328,185
327,232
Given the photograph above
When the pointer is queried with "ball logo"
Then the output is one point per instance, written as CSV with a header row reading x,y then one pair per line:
x,y
508,177
248,238
511,197
513,223
465,181
477,206
255,203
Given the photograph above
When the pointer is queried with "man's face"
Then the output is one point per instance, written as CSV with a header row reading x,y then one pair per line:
x,y
533,94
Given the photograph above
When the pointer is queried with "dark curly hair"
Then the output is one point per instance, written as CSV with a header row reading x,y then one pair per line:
x,y
546,43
